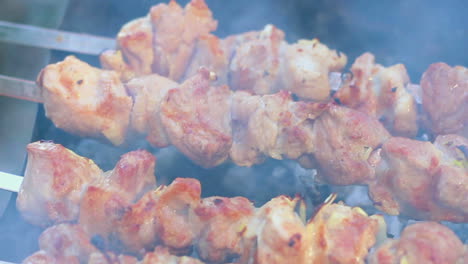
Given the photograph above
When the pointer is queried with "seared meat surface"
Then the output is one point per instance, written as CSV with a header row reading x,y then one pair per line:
x,y
340,234
423,180
445,99
306,67
196,117
162,216
346,144
175,42
114,218
148,93
275,234
89,101
424,242
105,200
381,92
175,31
220,213
53,184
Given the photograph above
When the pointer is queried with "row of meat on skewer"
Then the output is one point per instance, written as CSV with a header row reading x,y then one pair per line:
x,y
246,98
212,124
120,216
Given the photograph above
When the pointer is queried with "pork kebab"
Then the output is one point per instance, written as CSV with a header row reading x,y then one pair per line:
x,y
212,124
174,42
111,216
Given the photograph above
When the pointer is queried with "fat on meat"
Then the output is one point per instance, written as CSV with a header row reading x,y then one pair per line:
x,y
53,184
445,99
85,100
381,92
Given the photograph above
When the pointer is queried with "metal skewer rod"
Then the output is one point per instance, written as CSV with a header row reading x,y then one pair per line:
x,y
10,182
28,90
54,39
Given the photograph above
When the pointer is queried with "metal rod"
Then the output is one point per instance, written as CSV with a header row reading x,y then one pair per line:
x,y
20,89
54,39
10,182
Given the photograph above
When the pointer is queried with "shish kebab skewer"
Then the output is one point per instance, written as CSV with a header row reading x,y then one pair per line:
x,y
360,170
210,124
109,205
271,234
174,42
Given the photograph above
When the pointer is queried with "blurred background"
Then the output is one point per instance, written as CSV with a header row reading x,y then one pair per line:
x,y
414,32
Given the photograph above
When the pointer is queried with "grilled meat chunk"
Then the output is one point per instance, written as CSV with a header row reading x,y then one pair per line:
x,y
271,125
425,242
42,257
255,65
53,184
63,243
106,200
175,32
85,100
148,93
175,42
445,99
196,117
66,241
423,180
211,53
340,234
346,143
306,65
274,235
452,188
136,42
113,60
381,92
221,223
162,216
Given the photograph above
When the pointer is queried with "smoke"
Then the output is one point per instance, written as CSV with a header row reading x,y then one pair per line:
x,y
413,32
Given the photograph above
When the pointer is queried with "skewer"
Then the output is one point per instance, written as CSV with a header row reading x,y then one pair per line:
x,y
19,89
29,91
54,39
10,182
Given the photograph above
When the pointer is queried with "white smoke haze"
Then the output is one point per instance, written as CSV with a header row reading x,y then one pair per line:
x,y
414,32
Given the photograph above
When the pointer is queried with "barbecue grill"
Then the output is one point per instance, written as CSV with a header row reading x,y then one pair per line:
x,y
397,32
